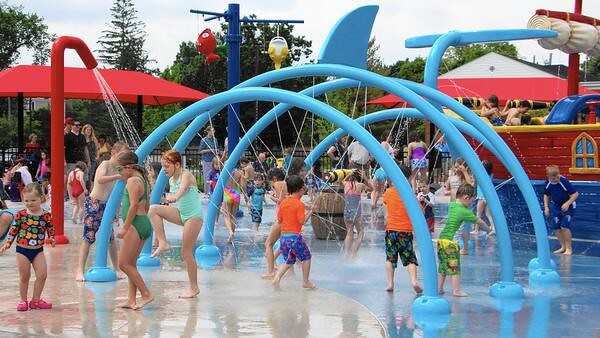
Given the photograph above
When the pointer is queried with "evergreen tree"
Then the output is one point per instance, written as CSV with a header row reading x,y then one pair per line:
x,y
122,45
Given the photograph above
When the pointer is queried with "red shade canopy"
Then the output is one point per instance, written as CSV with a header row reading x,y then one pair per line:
x,y
538,89
80,83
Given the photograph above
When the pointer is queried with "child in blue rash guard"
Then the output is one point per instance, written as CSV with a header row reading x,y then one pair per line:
x,y
257,199
559,207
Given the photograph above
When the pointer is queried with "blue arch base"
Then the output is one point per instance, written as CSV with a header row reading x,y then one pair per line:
x,y
208,256
431,313
506,290
100,274
543,278
146,260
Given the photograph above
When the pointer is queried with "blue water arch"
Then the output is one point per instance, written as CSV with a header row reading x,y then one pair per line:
x,y
430,302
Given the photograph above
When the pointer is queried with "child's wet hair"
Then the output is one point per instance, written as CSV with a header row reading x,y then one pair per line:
x,y
465,190
35,188
81,165
552,170
294,183
172,156
276,173
259,177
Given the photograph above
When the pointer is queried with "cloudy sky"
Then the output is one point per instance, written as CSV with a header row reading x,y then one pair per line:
x,y
168,22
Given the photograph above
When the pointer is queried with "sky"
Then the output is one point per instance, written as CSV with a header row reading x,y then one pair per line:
x,y
169,22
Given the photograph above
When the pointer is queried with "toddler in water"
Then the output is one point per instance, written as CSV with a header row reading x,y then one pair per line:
x,y
77,190
231,201
257,199
353,189
277,177
427,200
29,230
213,175
417,151
559,207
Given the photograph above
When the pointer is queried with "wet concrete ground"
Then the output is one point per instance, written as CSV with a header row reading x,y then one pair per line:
x,y
349,302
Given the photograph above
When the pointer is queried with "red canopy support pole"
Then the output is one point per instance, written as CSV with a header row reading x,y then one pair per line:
x,y
573,74
57,117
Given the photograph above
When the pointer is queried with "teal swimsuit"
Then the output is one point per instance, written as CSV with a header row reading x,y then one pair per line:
x,y
141,223
188,204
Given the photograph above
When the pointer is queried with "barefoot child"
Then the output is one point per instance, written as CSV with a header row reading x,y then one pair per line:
x,y
399,236
559,206
29,231
232,194
184,210
291,215
427,200
136,227
257,199
95,203
77,190
353,189
448,249
277,177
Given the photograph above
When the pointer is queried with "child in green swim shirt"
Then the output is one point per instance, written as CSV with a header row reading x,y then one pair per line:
x,y
448,249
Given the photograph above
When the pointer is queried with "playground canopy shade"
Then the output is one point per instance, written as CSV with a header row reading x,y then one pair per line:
x,y
538,89
80,83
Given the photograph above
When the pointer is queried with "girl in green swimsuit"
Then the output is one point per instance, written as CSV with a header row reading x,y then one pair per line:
x,y
136,228
184,209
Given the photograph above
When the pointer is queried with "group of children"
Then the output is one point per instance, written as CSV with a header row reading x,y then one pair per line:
x,y
31,227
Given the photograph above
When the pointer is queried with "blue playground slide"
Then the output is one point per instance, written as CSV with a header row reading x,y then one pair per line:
x,y
565,110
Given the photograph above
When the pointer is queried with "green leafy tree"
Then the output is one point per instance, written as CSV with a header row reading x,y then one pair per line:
x,y
122,44
591,66
458,56
412,70
20,30
189,69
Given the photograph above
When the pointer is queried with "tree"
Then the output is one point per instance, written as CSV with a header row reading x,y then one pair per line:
x,y
122,45
189,69
591,66
458,56
412,70
20,30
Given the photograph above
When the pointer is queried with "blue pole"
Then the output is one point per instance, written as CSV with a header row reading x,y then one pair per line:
x,y
233,39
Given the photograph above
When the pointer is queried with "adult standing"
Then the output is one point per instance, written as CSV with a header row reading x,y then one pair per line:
x,y
32,153
91,144
208,150
75,147
338,155
359,157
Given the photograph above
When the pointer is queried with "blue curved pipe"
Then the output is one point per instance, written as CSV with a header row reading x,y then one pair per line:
x,y
391,114
455,139
358,132
198,123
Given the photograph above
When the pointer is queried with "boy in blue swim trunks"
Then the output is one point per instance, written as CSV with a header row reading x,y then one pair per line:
x,y
292,216
559,207
257,199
